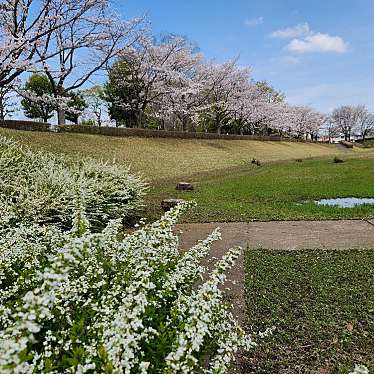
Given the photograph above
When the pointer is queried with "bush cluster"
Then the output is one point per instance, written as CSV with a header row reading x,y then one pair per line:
x,y
40,187
83,302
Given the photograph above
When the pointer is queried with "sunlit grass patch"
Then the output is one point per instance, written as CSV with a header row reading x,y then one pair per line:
x,y
321,304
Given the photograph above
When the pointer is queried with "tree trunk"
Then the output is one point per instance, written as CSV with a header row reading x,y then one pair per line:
x,y
185,124
139,120
2,110
61,117
217,123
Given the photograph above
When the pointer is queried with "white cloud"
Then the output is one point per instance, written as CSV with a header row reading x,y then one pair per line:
x,y
304,40
291,60
318,43
254,21
300,30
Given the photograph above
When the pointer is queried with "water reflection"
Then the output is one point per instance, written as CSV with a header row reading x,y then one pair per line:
x,y
345,202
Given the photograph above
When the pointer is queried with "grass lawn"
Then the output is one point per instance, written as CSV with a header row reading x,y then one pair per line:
x,y
157,159
368,144
321,305
228,186
277,191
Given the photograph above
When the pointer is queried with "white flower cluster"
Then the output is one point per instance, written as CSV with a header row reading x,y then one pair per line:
x,y
108,302
39,187
360,369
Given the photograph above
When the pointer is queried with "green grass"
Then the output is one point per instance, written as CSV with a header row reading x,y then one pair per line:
x,y
313,299
277,191
160,159
228,186
368,144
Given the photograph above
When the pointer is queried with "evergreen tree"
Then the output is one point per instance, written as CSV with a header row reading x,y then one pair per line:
x,y
35,104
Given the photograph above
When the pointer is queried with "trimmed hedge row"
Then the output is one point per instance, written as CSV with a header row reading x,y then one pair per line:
x,y
24,125
146,133
124,132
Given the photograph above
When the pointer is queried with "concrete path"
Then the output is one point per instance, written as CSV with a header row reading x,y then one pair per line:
x,y
283,235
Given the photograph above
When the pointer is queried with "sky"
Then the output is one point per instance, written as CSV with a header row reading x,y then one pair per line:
x,y
319,53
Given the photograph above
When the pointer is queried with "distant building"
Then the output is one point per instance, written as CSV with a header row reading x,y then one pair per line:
x,y
341,137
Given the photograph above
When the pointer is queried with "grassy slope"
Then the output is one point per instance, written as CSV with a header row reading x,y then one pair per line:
x,y
321,303
276,191
229,188
170,158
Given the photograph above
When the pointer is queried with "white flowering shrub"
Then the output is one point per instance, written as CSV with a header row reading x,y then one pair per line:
x,y
83,302
40,187
360,369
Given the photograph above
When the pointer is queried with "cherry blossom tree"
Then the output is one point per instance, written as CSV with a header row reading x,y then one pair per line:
x,y
22,26
306,122
225,84
329,128
7,102
146,74
365,121
345,119
76,51
249,109
27,25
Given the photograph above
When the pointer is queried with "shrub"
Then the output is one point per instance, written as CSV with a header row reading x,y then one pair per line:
x,y
39,187
88,122
256,162
103,303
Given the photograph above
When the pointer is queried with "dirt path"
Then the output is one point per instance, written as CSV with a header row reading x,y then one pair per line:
x,y
290,235
343,148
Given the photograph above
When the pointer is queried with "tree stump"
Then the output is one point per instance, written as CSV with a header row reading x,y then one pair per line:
x,y
168,204
184,186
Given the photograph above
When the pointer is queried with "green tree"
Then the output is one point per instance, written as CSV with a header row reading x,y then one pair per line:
x,y
35,105
96,103
273,95
125,107
77,105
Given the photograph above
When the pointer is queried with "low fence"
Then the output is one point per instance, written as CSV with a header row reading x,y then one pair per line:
x,y
124,132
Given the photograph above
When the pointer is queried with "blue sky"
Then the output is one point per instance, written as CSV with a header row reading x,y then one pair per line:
x,y
320,53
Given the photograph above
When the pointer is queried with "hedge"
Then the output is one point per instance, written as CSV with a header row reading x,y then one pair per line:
x,y
25,125
146,133
126,132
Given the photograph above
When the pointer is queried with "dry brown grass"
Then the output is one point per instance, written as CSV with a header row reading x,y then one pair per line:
x,y
171,158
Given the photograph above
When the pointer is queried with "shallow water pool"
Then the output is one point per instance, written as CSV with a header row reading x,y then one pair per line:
x,y
345,202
